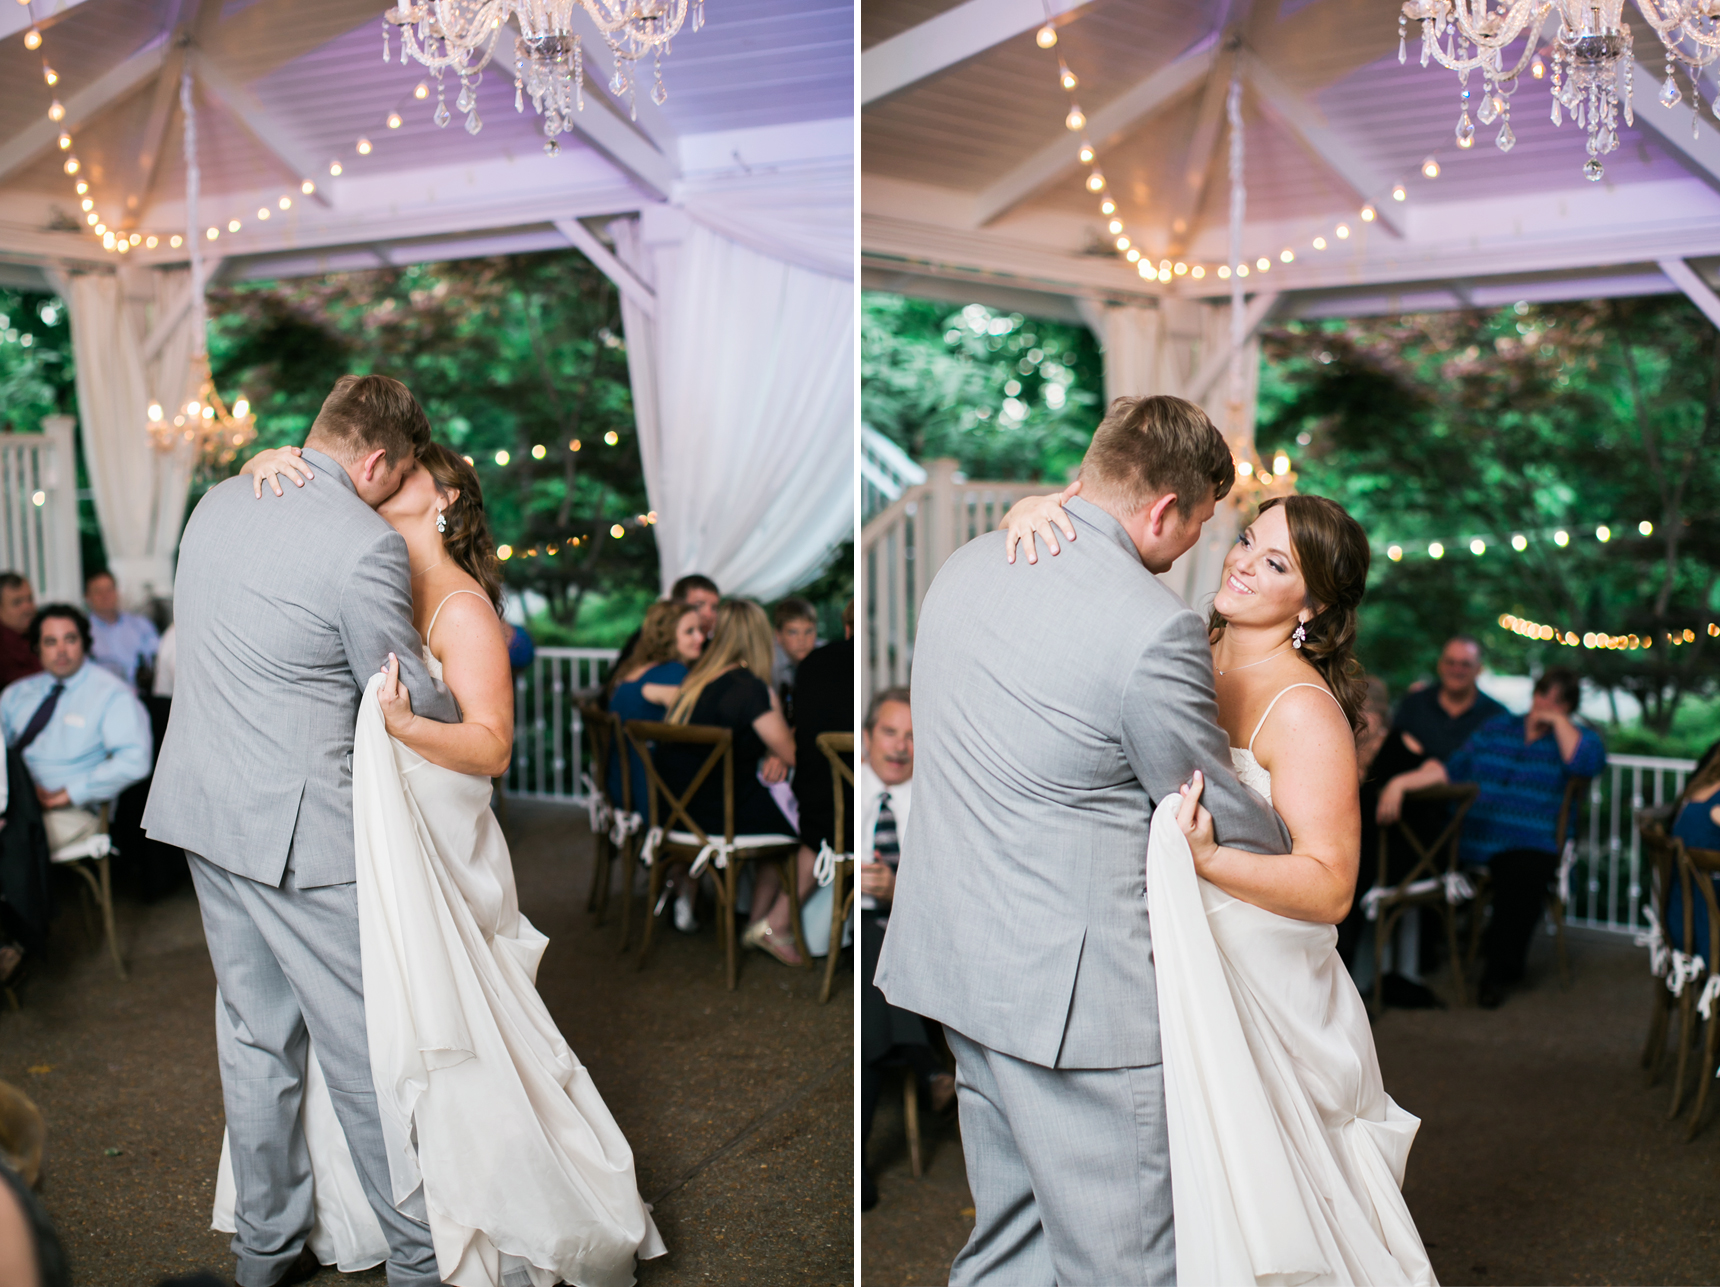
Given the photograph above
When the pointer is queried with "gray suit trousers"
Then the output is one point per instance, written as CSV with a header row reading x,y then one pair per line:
x,y
1070,1171
287,961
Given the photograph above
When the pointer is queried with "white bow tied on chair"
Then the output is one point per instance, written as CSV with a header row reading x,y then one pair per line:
x,y
648,852
598,808
1655,941
824,866
1685,969
717,852
622,825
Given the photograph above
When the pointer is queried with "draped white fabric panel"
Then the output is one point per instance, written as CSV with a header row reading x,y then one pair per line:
x,y
743,390
123,363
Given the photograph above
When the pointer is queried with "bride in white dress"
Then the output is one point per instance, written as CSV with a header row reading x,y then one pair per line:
x,y
527,1179
1287,1155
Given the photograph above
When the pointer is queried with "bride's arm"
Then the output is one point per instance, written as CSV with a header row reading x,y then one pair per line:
x,y
475,668
1310,750
1041,514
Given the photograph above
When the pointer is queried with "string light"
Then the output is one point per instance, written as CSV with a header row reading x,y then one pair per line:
x,y
1544,633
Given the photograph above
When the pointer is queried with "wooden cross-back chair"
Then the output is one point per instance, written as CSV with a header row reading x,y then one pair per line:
x,y
1662,856
1429,883
1575,790
835,746
89,857
1697,870
615,826
676,836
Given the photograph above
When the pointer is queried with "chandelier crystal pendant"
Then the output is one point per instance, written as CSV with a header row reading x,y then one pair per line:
x,y
460,36
1591,58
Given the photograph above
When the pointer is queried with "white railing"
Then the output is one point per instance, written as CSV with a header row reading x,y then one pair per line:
x,y
886,471
902,548
1607,890
550,752
39,510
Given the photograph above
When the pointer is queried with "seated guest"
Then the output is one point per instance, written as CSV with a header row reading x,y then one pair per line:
x,y
796,635
642,688
1696,821
702,594
82,732
125,643
1522,764
730,688
888,1035
521,649
165,668
17,606
824,703
1438,719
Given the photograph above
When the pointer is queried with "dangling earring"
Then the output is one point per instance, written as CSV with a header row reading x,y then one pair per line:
x,y
442,522
1299,635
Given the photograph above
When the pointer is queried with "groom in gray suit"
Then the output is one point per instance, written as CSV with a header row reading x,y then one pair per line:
x,y
284,610
1054,705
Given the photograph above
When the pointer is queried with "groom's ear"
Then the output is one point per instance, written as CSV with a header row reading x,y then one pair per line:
x,y
372,464
1156,514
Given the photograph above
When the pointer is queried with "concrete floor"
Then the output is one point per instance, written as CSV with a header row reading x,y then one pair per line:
x,y
738,1105
1543,1156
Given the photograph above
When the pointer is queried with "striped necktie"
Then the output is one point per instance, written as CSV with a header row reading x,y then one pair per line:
x,y
884,839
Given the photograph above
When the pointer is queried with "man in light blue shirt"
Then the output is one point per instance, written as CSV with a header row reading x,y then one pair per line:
x,y
83,733
121,640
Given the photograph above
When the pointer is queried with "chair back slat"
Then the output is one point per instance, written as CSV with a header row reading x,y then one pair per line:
x,y
835,746
1575,790
643,733
1459,795
603,731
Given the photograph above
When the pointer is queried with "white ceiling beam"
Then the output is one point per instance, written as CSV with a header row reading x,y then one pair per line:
x,y
950,38
32,141
599,254
1201,161
1297,117
16,18
1701,149
1253,316
1688,280
263,125
1122,113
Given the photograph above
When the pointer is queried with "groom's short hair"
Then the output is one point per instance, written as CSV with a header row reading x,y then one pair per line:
x,y
364,412
1145,448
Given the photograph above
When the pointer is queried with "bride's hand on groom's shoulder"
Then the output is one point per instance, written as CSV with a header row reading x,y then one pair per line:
x,y
1044,515
395,699
271,464
1196,822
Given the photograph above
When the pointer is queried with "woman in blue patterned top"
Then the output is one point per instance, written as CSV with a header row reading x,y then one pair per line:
x,y
1522,763
1697,824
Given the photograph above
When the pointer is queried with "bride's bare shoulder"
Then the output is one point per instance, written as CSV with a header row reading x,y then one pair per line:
x,y
463,616
1305,721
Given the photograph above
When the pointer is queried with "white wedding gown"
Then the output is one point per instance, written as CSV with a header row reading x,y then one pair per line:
x,y
527,1179
1287,1155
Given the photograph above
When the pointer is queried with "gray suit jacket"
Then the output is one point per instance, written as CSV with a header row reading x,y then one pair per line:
x,y
1054,705
285,607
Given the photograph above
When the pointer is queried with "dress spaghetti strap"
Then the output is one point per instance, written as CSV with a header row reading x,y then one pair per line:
x,y
485,598
1269,705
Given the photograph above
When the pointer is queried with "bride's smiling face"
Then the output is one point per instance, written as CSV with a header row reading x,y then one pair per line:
x,y
1262,583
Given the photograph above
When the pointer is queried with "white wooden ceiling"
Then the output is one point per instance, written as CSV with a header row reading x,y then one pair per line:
x,y
286,87
971,181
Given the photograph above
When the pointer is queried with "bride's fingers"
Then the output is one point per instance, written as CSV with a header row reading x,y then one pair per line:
x,y
1189,810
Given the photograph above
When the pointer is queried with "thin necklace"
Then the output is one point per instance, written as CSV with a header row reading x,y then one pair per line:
x,y
439,562
1268,657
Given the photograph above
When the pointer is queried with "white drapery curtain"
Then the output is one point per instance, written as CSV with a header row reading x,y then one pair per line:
x,y
743,389
1164,350
131,338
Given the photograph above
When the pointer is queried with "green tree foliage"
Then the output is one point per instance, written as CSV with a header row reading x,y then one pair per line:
x,y
516,359
1521,423
1010,397
35,360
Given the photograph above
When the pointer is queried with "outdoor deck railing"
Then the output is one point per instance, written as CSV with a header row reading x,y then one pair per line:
x,y
1607,885
549,743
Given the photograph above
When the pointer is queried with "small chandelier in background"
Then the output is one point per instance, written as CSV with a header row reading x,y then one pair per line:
x,y
459,36
1591,58
215,433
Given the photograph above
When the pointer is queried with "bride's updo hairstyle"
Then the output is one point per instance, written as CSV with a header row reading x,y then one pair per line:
x,y
1333,557
467,539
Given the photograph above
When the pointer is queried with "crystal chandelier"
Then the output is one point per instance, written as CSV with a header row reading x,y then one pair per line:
x,y
1591,58
459,36
204,423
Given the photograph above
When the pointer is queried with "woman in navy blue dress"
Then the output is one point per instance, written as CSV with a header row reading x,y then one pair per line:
x,y
1697,824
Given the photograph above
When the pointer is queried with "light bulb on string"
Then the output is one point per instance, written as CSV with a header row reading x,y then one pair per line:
x,y
82,187
1287,255
32,39
1197,272
1369,214
286,203
1065,77
307,187
1122,243
334,167
1430,168
49,75
1224,272
364,147
1319,243
65,141
71,165
1179,268
421,91
1107,206
1075,120
1133,255
1086,154
1115,226
1398,193
1342,231
56,111
1095,181
1046,36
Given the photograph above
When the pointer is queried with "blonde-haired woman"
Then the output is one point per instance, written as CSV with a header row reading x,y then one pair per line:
x,y
730,688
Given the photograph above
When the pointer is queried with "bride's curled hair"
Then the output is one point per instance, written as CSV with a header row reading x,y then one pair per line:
x,y
468,538
1332,553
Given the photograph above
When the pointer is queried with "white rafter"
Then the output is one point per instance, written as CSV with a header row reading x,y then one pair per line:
x,y
1254,314
16,18
1135,104
1672,127
1699,292
1302,121
264,126
30,142
599,254
952,37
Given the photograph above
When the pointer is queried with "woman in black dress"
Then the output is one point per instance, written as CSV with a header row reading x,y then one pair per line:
x,y
730,688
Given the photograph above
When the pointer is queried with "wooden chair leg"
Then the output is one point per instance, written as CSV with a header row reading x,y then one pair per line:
x,y
1704,1073
659,878
1457,981
600,856
1477,921
836,922
1654,1049
107,916
911,1117
1382,936
726,881
1556,906
628,876
1686,1018
790,872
